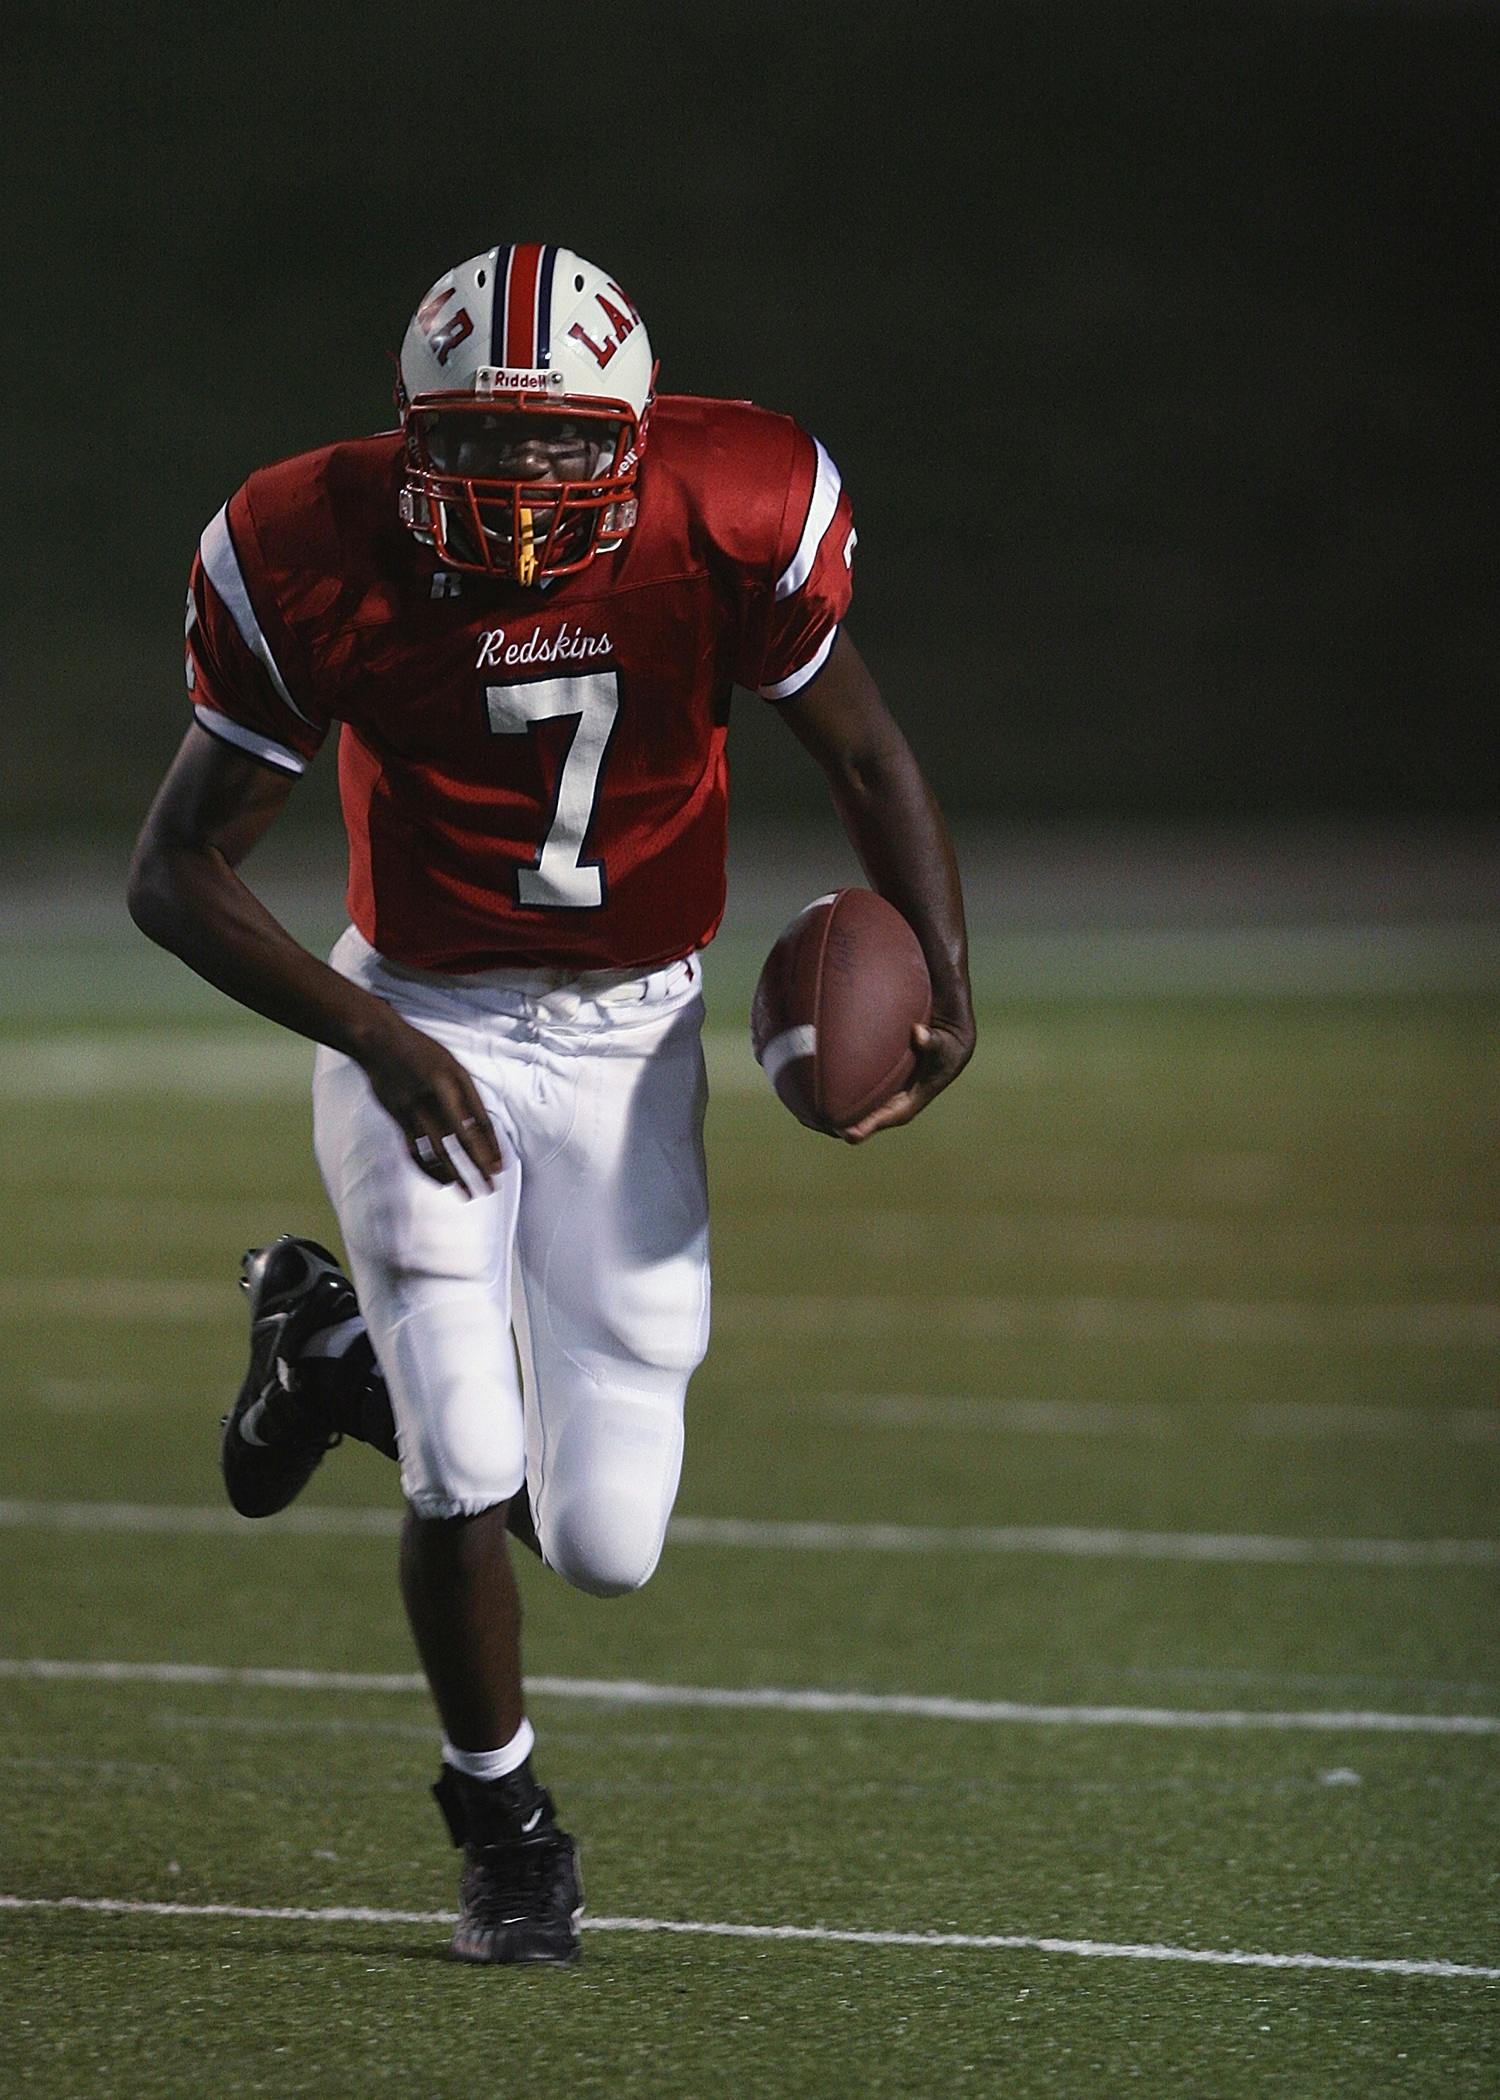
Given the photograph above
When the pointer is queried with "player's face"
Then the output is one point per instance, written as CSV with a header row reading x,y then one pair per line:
x,y
517,447
519,468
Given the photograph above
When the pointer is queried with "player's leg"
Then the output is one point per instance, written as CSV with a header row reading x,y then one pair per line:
x,y
312,1381
612,1257
433,1276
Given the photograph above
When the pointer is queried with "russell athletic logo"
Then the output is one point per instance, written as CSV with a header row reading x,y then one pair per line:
x,y
568,645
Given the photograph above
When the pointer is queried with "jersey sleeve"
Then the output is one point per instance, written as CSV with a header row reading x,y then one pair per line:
x,y
809,584
240,654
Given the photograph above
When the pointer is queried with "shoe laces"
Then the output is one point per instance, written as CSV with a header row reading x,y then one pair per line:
x,y
326,1302
290,1409
291,1414
295,1402
523,1870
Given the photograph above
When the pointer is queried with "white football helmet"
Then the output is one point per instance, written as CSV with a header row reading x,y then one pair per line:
x,y
526,381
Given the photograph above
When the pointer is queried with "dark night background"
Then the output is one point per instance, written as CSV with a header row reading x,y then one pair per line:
x,y
1148,337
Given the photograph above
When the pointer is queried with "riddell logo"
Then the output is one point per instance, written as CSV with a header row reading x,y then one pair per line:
x,y
568,645
512,379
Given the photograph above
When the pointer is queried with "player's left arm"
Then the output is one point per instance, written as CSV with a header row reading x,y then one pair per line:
x,y
897,829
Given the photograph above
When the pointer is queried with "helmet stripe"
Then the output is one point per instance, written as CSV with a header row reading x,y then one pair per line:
x,y
520,305
497,310
544,307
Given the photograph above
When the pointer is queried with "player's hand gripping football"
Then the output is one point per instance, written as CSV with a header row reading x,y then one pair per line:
x,y
436,1103
942,1050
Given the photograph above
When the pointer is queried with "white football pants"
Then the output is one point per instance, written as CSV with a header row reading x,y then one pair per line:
x,y
547,1331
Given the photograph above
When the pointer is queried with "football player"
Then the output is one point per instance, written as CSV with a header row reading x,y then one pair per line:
x,y
525,610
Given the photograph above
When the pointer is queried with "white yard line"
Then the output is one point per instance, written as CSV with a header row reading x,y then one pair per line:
x,y
235,1064
74,1395
1065,1541
891,1231
211,1064
882,1316
895,1231
1110,1319
769,1698
822,1935
998,1416
1076,1542
144,1301
1102,1418
174,1518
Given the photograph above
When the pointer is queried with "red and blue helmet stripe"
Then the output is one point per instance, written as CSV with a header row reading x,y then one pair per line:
x,y
521,324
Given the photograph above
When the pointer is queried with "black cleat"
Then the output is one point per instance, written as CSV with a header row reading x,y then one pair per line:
x,y
282,1422
521,1896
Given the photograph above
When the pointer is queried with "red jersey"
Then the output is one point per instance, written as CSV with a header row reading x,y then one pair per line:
x,y
533,777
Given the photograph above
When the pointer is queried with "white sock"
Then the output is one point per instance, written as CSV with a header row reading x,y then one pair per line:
x,y
492,1764
334,1341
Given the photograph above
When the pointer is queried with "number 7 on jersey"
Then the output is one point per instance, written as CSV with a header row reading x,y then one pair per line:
x,y
558,880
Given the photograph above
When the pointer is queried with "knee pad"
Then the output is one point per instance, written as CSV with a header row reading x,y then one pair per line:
x,y
457,1407
607,1492
607,1551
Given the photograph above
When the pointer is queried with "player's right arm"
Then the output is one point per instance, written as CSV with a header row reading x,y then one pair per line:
x,y
186,894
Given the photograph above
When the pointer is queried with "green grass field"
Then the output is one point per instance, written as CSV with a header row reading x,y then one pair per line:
x,y
1121,1443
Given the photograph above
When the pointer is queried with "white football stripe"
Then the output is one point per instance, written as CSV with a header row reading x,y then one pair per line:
x,y
825,501
996,1942
607,1691
232,732
221,565
784,688
782,1049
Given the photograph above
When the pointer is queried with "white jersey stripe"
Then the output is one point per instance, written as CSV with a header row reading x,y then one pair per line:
x,y
784,688
825,498
222,567
231,732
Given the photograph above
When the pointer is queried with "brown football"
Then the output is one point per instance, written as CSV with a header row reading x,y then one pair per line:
x,y
833,1012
